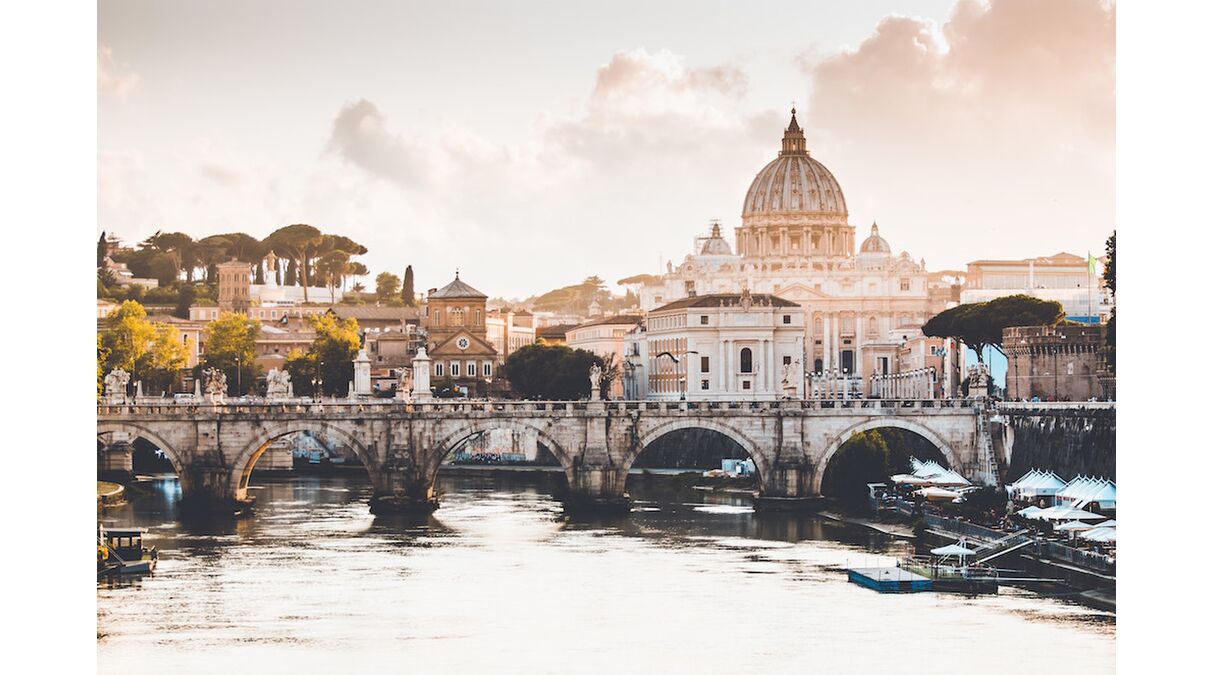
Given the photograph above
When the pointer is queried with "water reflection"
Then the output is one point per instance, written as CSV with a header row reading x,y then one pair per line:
x,y
500,579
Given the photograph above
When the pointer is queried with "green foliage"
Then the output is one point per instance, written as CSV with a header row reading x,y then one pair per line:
x,y
185,298
229,346
151,352
102,355
333,349
298,243
103,250
301,367
553,372
408,296
573,299
982,324
387,285
1108,276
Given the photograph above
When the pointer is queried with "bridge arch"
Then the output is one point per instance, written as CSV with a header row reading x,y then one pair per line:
x,y
931,436
242,465
470,428
136,430
762,464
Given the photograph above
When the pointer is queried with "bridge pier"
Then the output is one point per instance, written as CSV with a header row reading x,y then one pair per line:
x,y
208,489
596,489
788,487
400,486
115,463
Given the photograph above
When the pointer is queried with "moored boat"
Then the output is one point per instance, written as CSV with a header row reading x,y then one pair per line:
x,y
121,551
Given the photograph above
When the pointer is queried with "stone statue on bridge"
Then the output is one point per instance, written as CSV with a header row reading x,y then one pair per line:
x,y
116,385
278,383
596,375
216,384
789,379
977,378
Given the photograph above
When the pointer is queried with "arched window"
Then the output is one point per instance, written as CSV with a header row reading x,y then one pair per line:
x,y
744,360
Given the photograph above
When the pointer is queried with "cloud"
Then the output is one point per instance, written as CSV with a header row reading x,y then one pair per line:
x,y
645,104
113,79
361,137
1002,120
223,175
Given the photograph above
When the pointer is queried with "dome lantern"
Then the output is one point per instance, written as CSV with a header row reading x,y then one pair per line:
x,y
794,142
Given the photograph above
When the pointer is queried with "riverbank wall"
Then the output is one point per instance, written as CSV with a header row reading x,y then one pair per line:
x,y
1069,439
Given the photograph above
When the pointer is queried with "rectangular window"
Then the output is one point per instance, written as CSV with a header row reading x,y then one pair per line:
x,y
454,369
471,370
704,364
704,384
746,384
904,284
704,320
485,369
786,319
786,360
438,370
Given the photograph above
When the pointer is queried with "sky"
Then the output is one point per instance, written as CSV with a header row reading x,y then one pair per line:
x,y
533,144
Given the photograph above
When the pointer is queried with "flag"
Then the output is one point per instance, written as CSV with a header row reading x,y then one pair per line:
x,y
1092,263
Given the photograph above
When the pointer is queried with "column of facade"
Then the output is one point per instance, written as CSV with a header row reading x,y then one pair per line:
x,y
729,365
721,365
826,342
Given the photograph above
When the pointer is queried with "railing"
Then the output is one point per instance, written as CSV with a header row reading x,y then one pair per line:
x,y
1013,406
1049,549
340,406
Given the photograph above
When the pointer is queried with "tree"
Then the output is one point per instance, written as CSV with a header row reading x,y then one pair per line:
x,y
210,251
103,250
407,292
332,268
611,373
102,355
387,285
151,352
185,297
301,366
982,324
333,349
298,243
552,372
1108,275
166,357
228,344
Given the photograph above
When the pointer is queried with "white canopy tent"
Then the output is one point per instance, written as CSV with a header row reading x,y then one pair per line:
x,y
1100,534
1076,525
953,549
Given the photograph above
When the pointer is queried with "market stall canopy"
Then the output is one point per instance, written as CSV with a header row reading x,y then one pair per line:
x,y
926,469
953,549
1030,512
938,494
1101,534
1077,525
1065,512
1036,483
908,479
948,477
1084,490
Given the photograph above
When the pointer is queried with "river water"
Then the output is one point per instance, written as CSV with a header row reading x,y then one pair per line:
x,y
498,580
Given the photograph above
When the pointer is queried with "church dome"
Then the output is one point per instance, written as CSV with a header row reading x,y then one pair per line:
x,y
794,183
875,243
715,244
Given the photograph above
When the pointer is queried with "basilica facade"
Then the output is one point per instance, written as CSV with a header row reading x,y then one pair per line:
x,y
795,242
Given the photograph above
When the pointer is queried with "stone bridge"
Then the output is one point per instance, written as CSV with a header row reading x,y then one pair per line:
x,y
213,447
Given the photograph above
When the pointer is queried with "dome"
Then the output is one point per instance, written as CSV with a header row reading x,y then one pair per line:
x,y
794,183
714,244
875,243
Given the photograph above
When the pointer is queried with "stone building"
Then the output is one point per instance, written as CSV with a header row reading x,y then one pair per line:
x,y
1056,363
454,319
234,286
1063,277
795,242
605,337
724,347
509,330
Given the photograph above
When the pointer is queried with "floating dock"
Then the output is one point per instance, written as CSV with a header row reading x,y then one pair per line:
x,y
889,579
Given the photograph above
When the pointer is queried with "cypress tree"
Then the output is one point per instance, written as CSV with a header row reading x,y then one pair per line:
x,y
407,293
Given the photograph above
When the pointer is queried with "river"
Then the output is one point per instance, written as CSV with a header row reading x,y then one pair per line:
x,y
498,580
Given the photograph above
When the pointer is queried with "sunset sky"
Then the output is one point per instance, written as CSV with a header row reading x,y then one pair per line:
x,y
531,144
